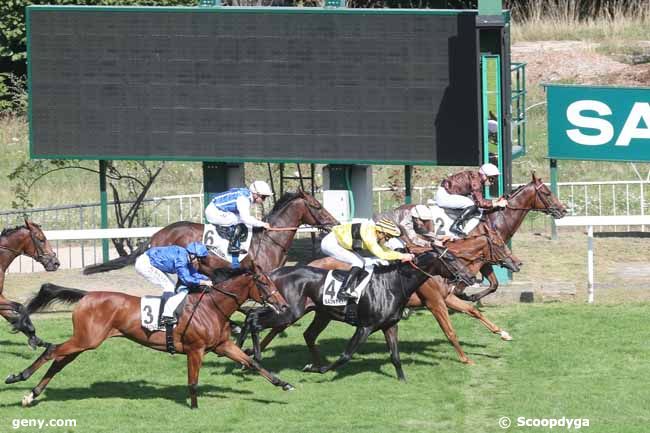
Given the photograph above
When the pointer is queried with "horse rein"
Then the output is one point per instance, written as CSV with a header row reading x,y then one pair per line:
x,y
37,246
538,195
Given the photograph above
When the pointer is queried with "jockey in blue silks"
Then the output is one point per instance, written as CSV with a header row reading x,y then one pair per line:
x,y
233,207
157,262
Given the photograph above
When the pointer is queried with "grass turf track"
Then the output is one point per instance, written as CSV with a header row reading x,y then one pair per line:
x,y
569,360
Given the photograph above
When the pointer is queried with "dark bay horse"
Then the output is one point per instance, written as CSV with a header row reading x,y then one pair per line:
x,y
268,249
380,306
484,246
203,326
30,241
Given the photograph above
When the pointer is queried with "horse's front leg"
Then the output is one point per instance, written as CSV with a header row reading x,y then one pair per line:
x,y
232,351
16,315
194,362
488,272
359,337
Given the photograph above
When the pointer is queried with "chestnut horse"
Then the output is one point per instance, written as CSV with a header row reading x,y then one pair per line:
x,y
535,196
484,246
268,248
26,240
203,326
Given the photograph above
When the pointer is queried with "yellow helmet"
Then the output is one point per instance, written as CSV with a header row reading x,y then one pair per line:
x,y
387,226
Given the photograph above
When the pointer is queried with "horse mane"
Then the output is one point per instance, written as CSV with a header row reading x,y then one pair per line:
x,y
7,232
516,190
223,274
282,202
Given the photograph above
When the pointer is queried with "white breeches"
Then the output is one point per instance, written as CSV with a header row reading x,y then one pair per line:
x,y
173,302
154,275
330,246
452,201
220,218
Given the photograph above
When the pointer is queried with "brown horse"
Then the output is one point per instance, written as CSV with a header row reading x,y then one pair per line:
x,y
484,246
535,196
203,326
268,248
26,240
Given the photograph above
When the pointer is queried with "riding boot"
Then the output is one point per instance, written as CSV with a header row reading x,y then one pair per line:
x,y
235,240
350,283
458,225
350,312
169,337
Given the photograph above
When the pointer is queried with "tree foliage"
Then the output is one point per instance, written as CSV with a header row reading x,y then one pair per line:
x,y
129,181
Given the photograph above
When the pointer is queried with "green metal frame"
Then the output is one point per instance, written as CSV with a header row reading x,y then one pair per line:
x,y
486,93
518,104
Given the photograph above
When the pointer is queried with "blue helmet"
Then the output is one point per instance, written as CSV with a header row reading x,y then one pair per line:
x,y
197,249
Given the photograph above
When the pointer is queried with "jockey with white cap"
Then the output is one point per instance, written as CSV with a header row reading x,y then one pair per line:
x,y
232,208
464,190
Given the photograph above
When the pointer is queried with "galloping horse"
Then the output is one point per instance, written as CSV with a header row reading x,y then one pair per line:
x,y
535,196
484,246
26,240
203,325
268,248
380,305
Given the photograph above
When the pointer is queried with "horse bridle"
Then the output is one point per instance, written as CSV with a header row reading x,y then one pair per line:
x,y
547,206
38,246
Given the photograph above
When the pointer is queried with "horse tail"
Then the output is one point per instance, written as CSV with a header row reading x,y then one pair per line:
x,y
117,263
50,293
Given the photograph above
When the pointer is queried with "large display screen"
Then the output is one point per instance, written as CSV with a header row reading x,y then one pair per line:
x,y
253,84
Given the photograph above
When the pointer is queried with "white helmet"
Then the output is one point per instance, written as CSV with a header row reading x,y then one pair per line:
x,y
489,170
423,212
260,187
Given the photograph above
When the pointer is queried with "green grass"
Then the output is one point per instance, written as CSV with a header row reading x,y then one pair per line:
x,y
567,360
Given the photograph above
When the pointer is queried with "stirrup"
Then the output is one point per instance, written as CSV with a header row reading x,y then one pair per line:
x,y
166,320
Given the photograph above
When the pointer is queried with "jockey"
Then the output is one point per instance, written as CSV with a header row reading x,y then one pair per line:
x,y
232,208
416,224
464,190
157,262
346,239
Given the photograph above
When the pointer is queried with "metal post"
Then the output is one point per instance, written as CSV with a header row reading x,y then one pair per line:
x,y
555,193
590,265
408,171
103,200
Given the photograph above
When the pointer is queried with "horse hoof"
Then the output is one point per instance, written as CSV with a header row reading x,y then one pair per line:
x,y
505,336
468,361
28,399
249,352
309,368
288,387
12,378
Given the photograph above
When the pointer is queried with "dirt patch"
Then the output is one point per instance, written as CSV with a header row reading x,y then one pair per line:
x,y
576,62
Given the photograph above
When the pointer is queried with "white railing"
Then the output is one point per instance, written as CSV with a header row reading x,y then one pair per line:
x,y
582,198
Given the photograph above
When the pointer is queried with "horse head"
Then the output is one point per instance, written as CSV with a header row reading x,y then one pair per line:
x,y
31,241
450,267
495,250
242,284
536,195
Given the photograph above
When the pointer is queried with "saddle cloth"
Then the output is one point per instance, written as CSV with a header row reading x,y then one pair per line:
x,y
151,309
334,281
217,240
443,218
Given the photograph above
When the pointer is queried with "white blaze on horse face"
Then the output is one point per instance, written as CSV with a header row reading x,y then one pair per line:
x,y
575,116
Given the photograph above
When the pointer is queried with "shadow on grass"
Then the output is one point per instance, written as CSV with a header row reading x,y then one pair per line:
x,y
141,390
294,356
